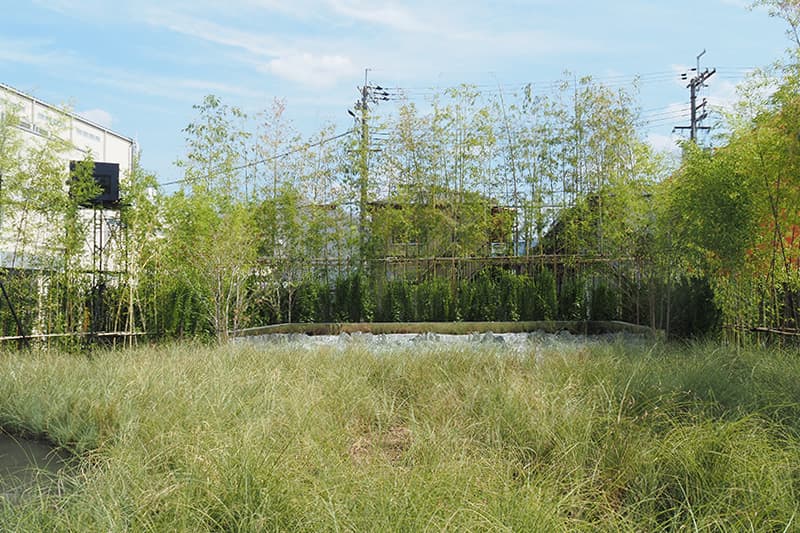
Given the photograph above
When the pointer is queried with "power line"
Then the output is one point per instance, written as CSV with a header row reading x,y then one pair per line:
x,y
555,83
611,81
542,88
662,111
214,172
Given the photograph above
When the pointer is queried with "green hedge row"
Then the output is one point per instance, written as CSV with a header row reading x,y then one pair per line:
x,y
498,294
491,294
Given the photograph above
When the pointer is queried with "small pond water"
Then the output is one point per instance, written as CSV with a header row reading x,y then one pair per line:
x,y
27,465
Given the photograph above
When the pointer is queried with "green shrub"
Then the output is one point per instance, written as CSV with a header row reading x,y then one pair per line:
x,y
435,301
397,304
307,302
604,302
22,290
507,288
572,298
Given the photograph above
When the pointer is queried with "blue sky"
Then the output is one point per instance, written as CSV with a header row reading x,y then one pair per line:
x,y
139,66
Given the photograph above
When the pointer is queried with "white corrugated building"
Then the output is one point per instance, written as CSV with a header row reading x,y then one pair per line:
x,y
38,122
38,119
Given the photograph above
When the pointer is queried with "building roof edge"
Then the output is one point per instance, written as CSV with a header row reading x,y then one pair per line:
x,y
68,113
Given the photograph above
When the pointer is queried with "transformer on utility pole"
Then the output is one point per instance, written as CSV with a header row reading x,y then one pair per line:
x,y
698,112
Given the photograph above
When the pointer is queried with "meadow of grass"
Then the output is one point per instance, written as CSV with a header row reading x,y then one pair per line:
x,y
607,437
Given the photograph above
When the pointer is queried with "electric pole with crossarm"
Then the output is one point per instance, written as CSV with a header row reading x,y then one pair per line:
x,y
370,94
698,111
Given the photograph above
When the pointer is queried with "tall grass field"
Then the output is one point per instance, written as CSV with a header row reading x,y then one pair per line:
x,y
598,437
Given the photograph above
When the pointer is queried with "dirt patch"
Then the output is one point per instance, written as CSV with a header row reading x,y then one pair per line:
x,y
389,445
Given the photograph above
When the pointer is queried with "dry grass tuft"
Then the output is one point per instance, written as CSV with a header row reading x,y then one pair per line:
x,y
389,446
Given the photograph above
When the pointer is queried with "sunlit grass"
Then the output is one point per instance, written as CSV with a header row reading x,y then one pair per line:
x,y
603,437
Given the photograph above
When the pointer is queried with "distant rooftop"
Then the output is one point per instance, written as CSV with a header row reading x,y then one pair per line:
x,y
57,109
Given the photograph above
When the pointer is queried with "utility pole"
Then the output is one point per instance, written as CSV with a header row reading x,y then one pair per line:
x,y
363,168
698,112
368,94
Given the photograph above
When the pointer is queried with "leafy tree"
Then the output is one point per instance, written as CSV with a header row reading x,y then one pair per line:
x,y
736,206
38,195
212,245
141,253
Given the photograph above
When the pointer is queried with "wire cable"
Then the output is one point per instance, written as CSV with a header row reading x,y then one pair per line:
x,y
287,153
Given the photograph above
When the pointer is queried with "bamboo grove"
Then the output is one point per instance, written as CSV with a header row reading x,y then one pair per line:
x,y
541,203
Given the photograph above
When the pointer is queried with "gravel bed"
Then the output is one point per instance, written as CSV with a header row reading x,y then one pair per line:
x,y
518,342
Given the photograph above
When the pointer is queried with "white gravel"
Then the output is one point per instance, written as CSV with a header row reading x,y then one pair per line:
x,y
515,342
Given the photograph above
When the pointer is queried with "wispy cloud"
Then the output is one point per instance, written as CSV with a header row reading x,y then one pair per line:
x,y
530,41
167,87
98,116
314,45
290,61
39,53
213,32
385,14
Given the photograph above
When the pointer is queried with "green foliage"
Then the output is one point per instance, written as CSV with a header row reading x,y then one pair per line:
x,y
714,209
307,306
352,301
545,297
477,297
398,300
184,314
695,314
499,294
732,212
603,302
82,186
436,301
212,246
572,298
22,290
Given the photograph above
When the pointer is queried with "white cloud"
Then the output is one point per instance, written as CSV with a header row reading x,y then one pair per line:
x,y
98,116
318,43
308,69
722,94
664,143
